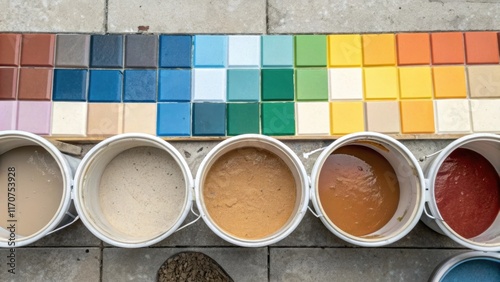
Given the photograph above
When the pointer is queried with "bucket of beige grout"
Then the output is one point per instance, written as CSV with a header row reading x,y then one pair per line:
x,y
463,196
252,190
133,190
36,182
368,189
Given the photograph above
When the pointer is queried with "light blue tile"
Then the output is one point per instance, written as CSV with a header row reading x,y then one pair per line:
x,y
277,51
210,51
174,119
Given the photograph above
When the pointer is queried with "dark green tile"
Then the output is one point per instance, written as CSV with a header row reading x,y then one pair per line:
x,y
278,118
242,118
277,85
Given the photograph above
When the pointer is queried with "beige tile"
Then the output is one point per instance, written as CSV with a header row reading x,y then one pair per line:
x,y
105,119
383,117
139,117
453,115
485,115
484,81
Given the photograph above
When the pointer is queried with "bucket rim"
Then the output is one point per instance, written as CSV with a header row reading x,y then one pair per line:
x,y
86,161
356,240
66,173
303,205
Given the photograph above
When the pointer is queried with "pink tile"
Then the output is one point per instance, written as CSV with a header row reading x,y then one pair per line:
x,y
34,117
8,115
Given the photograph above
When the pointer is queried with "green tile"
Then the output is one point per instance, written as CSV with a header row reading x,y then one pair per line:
x,y
243,85
312,84
242,118
278,118
310,50
277,85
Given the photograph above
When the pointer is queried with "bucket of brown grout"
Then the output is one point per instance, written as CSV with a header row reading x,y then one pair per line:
x,y
133,190
368,189
252,190
36,188
463,197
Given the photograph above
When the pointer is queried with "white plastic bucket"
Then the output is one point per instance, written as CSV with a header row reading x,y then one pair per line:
x,y
282,151
87,185
488,145
65,214
448,266
409,176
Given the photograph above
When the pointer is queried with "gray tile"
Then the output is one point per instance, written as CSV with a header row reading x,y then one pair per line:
x,y
242,264
52,16
49,264
333,264
141,51
75,235
323,16
72,50
190,16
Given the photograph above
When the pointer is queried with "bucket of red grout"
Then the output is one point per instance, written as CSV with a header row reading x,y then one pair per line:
x,y
463,196
36,188
368,189
469,266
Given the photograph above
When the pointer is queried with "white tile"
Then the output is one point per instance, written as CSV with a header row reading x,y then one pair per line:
x,y
453,115
69,119
485,115
244,51
313,118
209,85
139,117
345,84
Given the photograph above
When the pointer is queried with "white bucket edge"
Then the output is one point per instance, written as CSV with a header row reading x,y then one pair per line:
x,y
90,156
445,265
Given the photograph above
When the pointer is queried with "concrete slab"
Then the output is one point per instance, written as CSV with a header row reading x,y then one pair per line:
x,y
242,264
44,264
323,16
75,235
333,264
192,16
52,16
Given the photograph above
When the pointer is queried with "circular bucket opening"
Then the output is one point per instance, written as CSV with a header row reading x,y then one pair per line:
x,y
133,190
465,191
36,188
470,266
252,190
368,189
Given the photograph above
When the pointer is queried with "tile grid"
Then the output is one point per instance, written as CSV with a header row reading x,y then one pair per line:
x,y
423,83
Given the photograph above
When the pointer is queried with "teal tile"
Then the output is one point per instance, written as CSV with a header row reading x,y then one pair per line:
x,y
277,51
243,85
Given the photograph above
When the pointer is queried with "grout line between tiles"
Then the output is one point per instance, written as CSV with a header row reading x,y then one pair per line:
x,y
101,247
106,16
267,16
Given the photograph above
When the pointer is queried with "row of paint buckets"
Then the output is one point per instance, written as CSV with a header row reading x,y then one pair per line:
x,y
416,199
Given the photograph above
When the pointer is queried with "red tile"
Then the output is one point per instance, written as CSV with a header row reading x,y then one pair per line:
x,y
414,48
35,84
481,47
38,50
9,49
447,48
8,83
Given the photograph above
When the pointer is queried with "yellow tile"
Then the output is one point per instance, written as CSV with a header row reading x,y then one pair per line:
x,y
379,50
415,82
381,83
417,116
347,117
344,50
449,82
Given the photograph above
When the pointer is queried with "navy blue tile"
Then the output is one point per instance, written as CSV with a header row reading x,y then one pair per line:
x,y
140,86
174,119
106,51
209,119
141,51
70,85
174,85
105,86
175,51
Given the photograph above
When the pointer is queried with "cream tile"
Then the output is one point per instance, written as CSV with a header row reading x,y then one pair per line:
x,y
345,84
139,117
485,115
69,119
313,118
453,116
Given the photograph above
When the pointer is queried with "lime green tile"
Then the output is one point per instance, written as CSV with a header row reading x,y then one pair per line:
x,y
312,84
310,50
242,118
277,85
278,118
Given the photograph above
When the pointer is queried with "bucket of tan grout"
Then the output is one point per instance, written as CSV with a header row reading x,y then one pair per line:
x,y
36,181
368,189
252,190
464,192
133,190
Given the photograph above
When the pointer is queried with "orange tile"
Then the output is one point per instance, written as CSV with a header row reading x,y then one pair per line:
x,y
449,82
447,48
379,49
417,116
481,47
414,48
